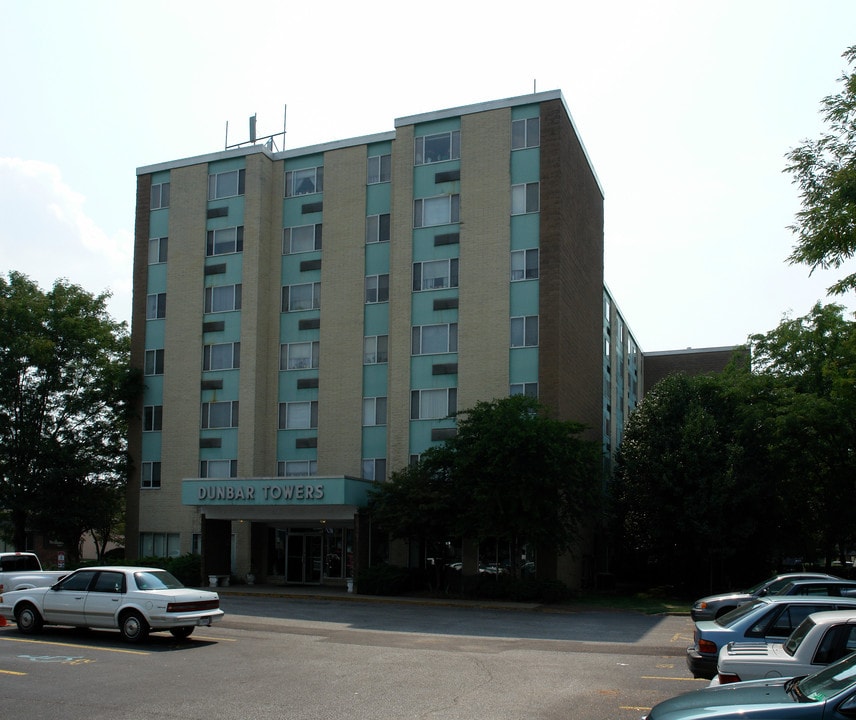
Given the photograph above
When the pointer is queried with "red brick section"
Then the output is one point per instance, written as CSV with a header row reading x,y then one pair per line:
x,y
571,282
700,362
138,347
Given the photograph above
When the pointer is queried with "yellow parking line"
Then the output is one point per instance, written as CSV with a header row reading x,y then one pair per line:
x,y
11,672
635,708
75,645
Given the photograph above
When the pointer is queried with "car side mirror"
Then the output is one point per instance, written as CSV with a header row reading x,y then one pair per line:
x,y
763,592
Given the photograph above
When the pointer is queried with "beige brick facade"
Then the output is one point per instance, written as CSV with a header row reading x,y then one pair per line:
x,y
342,301
485,258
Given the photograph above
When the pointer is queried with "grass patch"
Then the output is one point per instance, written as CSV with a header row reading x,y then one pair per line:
x,y
650,603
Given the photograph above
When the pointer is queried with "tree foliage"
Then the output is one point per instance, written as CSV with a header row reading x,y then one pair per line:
x,y
65,391
825,171
511,471
722,477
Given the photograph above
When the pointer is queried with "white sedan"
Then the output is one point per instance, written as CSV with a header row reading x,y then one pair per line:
x,y
134,600
820,639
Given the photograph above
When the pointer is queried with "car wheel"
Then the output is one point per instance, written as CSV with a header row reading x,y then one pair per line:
x,y
28,619
133,627
182,632
722,611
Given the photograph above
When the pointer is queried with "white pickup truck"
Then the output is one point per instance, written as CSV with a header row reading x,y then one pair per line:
x,y
22,570
819,640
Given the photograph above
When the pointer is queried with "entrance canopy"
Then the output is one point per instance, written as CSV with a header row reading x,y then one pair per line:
x,y
298,497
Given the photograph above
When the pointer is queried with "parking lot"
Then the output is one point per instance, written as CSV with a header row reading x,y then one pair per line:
x,y
278,657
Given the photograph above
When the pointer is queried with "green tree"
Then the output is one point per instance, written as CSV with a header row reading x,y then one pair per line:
x,y
680,488
65,391
510,472
812,430
525,474
418,502
825,171
722,477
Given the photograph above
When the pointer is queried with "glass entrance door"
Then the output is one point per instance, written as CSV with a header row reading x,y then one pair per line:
x,y
303,557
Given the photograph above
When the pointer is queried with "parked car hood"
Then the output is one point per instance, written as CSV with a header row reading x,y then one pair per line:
x,y
753,699
741,596
32,592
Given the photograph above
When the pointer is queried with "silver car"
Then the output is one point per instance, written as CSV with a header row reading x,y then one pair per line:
x,y
766,619
133,600
712,606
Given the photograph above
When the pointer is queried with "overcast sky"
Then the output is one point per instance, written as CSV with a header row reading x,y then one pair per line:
x,y
686,107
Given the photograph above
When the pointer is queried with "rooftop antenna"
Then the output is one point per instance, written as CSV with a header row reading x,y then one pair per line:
x,y
270,144
535,86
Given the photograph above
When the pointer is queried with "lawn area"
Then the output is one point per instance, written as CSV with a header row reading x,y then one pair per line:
x,y
648,603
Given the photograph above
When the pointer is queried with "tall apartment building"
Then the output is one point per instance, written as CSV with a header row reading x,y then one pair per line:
x,y
308,320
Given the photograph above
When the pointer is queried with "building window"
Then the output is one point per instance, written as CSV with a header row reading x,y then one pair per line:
x,y
436,148
525,198
377,288
225,184
157,250
529,389
440,210
218,469
525,133
153,418
220,414
377,228
160,544
374,411
375,349
222,298
298,415
153,364
524,331
160,196
150,475
433,404
222,356
297,468
299,356
304,182
379,169
225,241
374,468
524,264
435,274
434,339
156,306
302,238
305,296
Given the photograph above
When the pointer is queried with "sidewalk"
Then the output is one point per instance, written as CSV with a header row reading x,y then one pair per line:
x,y
327,592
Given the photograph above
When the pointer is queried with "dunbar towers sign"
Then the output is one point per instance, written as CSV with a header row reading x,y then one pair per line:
x,y
276,491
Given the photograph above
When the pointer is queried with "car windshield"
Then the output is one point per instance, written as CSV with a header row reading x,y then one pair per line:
x,y
798,635
760,586
775,587
731,617
156,580
831,680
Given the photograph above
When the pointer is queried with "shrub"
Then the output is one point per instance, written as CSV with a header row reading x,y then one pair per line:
x,y
385,580
506,587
